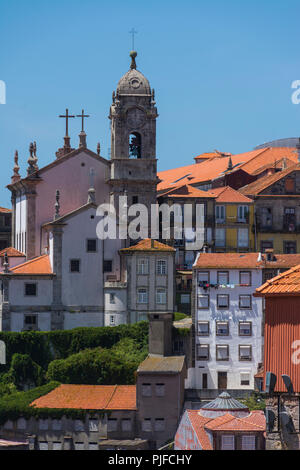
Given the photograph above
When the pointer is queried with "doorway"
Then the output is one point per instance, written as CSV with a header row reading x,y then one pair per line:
x,y
222,380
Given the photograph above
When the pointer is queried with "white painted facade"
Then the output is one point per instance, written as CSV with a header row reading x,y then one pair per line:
x,y
221,331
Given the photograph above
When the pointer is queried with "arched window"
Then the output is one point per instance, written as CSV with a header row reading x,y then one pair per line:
x,y
135,145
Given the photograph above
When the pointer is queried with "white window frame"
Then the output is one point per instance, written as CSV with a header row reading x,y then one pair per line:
x,y
245,445
243,212
230,442
220,237
142,295
161,267
220,214
161,295
241,240
143,266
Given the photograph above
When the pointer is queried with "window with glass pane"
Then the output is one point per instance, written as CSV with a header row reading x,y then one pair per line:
x,y
146,425
245,278
126,424
203,328
220,214
146,390
222,328
203,351
220,237
143,266
245,353
159,424
203,276
227,443
248,442
112,424
160,390
222,352
161,267
242,213
243,238
223,300
161,296
245,328
203,300
245,301
142,296
223,277
245,378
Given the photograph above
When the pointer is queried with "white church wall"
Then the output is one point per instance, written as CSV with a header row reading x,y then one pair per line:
x,y
17,295
21,210
115,318
86,319
86,287
43,320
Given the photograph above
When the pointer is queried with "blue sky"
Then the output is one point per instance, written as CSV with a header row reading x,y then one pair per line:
x,y
221,70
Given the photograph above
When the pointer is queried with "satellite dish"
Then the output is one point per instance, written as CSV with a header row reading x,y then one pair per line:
x,y
288,383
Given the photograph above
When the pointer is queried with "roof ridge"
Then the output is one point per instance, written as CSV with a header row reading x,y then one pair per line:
x,y
269,282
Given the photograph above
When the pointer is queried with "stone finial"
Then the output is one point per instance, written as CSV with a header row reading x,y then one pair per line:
x,y
57,205
284,164
91,191
35,156
133,55
31,160
5,263
16,176
229,167
82,139
114,97
98,148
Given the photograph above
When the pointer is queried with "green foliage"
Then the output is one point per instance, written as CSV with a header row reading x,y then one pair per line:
x,y
255,402
179,316
25,372
7,389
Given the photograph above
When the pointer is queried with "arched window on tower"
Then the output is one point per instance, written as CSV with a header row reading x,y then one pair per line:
x,y
135,145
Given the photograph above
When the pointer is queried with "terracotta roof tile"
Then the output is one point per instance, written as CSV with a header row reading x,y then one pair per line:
x,y
228,422
198,422
3,210
40,265
12,252
89,397
146,245
287,283
228,194
245,260
187,191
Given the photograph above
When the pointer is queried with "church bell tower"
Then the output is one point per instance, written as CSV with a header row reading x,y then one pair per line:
x,y
133,116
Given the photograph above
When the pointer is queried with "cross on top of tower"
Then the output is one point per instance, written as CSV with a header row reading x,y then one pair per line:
x,y
133,32
67,116
82,115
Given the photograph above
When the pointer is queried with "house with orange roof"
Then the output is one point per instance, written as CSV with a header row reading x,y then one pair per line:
x,y
276,201
223,424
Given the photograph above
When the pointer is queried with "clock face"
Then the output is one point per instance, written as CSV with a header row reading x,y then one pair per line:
x,y
135,117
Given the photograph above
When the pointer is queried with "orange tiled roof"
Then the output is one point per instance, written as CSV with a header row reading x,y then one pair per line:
x,y
207,155
287,283
255,188
198,422
188,191
245,260
277,164
11,252
269,155
145,245
89,397
229,422
40,265
5,211
228,194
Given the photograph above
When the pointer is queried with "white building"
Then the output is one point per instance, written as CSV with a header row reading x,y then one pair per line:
x,y
228,321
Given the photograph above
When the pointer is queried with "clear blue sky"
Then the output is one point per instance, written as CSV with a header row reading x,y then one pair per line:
x,y
221,70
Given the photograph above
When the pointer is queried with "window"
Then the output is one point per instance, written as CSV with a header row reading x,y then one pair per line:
x,y
161,267
161,296
203,276
30,320
91,245
112,424
159,424
43,445
112,298
222,352
227,442
56,445
204,381
178,347
93,446
290,247
112,321
135,144
78,425
30,289
245,352
56,425
202,352
185,298
223,301
146,390
203,301
243,238
220,214
245,278
146,425
266,217
126,424
245,301
266,245
220,237
79,445
160,390
203,328
245,328
142,296
21,423
243,214
222,328
43,424
75,265
93,425
223,277
135,199
143,266
245,378
248,442
107,266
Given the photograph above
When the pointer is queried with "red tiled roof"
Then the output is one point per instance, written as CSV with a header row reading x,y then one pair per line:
x,y
227,194
245,260
187,191
228,422
5,211
12,252
40,265
207,155
146,245
287,283
198,422
89,397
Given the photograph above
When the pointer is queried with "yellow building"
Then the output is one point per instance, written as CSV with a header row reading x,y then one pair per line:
x,y
234,218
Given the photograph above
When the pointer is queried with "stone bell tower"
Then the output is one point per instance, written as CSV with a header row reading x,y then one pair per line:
x,y
133,140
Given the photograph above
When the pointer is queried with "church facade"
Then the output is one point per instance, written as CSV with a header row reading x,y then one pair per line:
x,y
67,276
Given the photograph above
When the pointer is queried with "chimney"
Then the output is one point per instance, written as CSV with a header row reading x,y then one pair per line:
x,y
259,258
270,254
